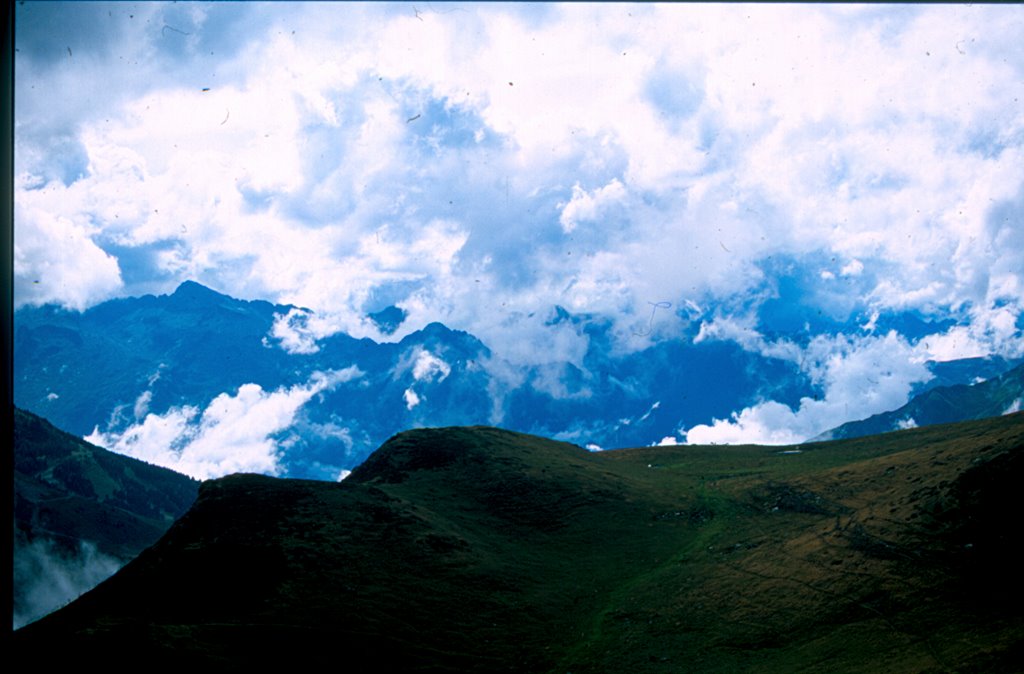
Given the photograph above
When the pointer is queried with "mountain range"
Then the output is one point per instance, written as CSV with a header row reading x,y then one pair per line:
x,y
82,512
173,370
1002,394
478,549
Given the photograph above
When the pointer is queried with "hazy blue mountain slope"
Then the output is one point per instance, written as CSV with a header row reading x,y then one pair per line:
x,y
944,404
76,369
965,371
113,366
110,366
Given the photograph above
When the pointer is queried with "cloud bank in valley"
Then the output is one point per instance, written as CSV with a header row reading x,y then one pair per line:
x,y
233,434
46,578
857,376
842,184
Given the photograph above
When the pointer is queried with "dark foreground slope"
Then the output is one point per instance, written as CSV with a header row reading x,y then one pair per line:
x,y
81,511
474,549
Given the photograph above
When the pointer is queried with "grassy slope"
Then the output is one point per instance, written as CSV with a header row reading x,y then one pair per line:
x,y
68,490
483,550
68,493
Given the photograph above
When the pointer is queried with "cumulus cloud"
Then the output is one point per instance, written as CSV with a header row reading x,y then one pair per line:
x,y
859,376
294,332
742,330
56,259
991,330
347,161
853,268
411,398
233,434
589,206
768,423
428,367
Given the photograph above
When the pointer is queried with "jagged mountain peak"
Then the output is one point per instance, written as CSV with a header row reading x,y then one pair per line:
x,y
198,295
189,286
197,292
111,366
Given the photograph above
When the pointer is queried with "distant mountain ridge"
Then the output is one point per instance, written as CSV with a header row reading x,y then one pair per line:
x,y
110,368
1000,395
482,550
75,504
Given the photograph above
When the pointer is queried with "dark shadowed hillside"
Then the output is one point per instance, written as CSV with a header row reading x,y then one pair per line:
x,y
80,512
475,549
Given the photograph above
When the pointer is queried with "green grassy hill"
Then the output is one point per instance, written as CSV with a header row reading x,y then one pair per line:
x,y
476,549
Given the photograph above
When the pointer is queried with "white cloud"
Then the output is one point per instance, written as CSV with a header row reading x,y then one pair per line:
x,y
589,206
550,378
679,147
628,421
530,338
331,430
428,367
411,398
232,435
743,332
142,404
957,342
853,268
55,257
650,411
872,322
768,423
903,424
991,330
294,332
860,377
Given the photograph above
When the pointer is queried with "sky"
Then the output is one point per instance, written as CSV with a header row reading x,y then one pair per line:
x,y
840,186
